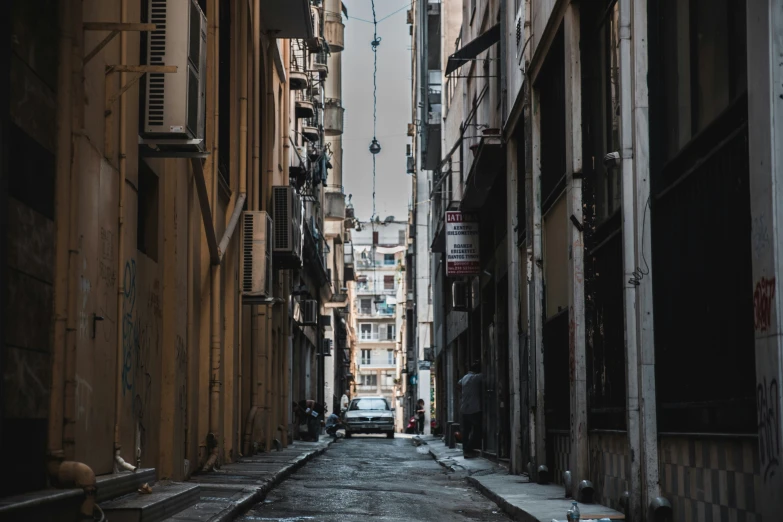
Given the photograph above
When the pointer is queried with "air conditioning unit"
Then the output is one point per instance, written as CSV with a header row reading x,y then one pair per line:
x,y
326,347
316,43
459,296
173,105
310,312
519,34
287,219
255,264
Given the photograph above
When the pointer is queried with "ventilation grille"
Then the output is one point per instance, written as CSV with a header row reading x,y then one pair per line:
x,y
282,218
519,32
268,254
157,56
247,253
194,36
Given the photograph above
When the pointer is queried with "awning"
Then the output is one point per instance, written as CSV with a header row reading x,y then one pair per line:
x,y
472,49
489,162
290,19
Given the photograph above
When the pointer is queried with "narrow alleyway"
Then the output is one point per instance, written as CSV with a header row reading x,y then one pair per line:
x,y
372,477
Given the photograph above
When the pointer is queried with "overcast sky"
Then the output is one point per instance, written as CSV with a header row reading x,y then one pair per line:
x,y
393,185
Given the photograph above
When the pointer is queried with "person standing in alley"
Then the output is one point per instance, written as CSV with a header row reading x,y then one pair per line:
x,y
344,403
420,416
470,408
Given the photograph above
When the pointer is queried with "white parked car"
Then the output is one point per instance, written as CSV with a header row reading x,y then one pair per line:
x,y
369,415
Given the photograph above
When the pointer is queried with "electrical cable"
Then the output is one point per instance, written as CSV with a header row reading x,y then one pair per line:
x,y
638,274
374,147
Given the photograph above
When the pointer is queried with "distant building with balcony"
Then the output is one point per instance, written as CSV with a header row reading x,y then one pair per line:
x,y
375,300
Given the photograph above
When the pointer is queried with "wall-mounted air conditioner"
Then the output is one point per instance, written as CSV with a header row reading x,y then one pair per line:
x,y
255,264
459,296
326,347
310,312
287,219
173,104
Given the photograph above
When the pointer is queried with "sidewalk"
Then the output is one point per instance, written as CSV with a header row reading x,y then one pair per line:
x,y
217,496
518,497
234,488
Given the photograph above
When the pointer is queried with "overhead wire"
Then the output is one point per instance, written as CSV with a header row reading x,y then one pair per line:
x,y
376,41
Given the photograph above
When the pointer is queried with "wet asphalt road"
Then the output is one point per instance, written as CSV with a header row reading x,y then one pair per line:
x,y
369,477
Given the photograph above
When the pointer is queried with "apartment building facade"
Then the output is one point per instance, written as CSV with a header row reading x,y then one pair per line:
x,y
377,300
171,267
598,150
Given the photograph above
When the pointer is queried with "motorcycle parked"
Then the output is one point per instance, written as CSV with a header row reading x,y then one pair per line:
x,y
411,427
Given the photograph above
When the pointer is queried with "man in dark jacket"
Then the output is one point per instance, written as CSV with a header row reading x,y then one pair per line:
x,y
471,386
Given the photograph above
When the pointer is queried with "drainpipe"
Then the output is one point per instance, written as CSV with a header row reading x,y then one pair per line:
x,y
286,275
213,438
248,433
119,463
64,473
629,263
260,343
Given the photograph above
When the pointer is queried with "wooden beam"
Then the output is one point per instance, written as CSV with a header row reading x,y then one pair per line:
x,y
117,26
206,209
115,29
141,69
100,46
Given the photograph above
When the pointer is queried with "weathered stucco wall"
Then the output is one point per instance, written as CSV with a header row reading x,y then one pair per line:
x,y
29,272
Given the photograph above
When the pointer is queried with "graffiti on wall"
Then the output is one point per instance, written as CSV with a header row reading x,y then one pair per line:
x,y
768,404
128,306
139,343
763,296
83,398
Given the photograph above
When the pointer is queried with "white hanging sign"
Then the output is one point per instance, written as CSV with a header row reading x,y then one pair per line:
x,y
462,244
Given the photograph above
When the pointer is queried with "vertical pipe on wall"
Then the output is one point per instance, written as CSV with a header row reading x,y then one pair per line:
x,y
644,299
62,211
215,345
634,511
243,175
579,460
62,472
74,250
119,463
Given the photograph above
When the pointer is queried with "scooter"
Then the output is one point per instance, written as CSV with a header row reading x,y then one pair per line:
x,y
411,427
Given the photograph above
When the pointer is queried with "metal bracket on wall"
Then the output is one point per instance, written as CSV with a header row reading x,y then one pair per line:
x,y
110,98
206,209
114,29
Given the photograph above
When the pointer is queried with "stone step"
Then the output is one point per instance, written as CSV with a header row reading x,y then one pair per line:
x,y
61,504
218,503
120,484
165,501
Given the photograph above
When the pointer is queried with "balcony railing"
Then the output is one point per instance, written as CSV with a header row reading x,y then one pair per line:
x,y
369,289
386,312
375,337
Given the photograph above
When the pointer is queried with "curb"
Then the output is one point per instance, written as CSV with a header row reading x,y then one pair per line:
x,y
257,495
514,512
